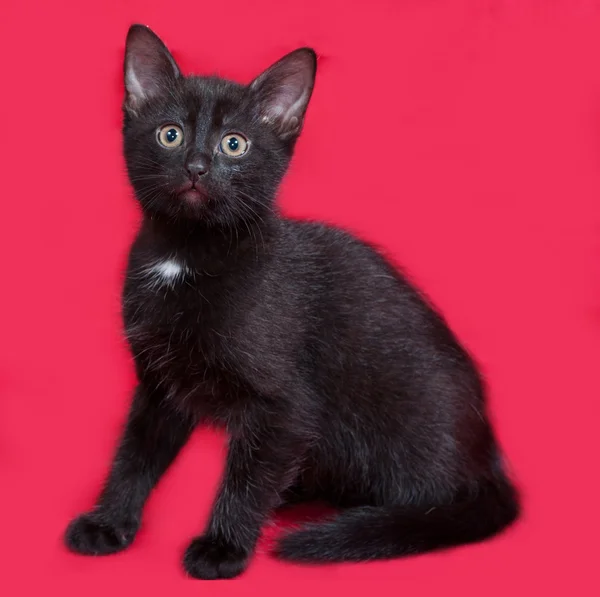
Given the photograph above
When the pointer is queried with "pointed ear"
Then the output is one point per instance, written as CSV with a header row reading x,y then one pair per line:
x,y
149,66
282,92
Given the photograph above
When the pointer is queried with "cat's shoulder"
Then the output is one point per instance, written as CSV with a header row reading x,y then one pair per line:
x,y
319,234
318,244
306,238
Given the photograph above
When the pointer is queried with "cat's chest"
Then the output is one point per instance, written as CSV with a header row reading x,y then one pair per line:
x,y
175,318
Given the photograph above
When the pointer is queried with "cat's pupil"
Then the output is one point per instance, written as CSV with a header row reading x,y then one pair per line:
x,y
171,135
233,143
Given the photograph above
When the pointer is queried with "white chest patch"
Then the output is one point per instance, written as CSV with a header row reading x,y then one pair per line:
x,y
168,269
167,272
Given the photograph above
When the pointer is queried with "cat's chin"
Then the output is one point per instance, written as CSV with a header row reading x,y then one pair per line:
x,y
192,196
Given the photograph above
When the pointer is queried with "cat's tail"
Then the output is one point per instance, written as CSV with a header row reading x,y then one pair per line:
x,y
369,533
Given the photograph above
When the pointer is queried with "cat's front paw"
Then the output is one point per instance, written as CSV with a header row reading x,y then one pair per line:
x,y
209,558
93,534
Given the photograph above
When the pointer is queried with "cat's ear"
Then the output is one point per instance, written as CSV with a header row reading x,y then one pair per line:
x,y
149,66
282,92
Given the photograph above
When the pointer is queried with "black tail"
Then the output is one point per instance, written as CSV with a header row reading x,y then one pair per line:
x,y
369,533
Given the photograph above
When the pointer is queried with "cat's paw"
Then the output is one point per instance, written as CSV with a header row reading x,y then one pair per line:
x,y
92,534
210,558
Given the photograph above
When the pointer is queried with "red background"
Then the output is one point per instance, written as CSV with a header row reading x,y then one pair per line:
x,y
463,136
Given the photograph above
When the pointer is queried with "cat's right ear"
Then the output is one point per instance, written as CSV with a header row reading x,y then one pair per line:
x,y
149,66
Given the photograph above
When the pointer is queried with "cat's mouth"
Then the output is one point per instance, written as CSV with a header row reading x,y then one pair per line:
x,y
192,192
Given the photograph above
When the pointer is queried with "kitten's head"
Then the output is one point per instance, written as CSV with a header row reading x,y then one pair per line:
x,y
205,148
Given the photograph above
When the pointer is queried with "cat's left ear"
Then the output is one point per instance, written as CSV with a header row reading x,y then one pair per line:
x,y
283,91
149,66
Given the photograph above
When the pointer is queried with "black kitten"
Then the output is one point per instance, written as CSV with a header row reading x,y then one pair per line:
x,y
333,377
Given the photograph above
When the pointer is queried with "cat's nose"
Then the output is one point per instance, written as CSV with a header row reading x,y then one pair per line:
x,y
197,166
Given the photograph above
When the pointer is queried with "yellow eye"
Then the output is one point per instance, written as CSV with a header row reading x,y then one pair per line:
x,y
234,145
170,135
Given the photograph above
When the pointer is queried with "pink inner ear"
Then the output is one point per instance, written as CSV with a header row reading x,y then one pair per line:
x,y
285,88
147,64
292,103
143,74
283,100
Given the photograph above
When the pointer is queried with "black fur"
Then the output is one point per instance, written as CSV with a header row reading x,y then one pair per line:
x,y
334,378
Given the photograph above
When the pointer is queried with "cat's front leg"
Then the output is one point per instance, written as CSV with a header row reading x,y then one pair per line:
x,y
153,436
259,468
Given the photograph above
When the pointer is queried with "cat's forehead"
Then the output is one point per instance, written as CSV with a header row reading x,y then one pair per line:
x,y
207,98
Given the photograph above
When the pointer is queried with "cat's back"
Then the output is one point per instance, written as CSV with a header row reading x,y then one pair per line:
x,y
352,293
332,261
